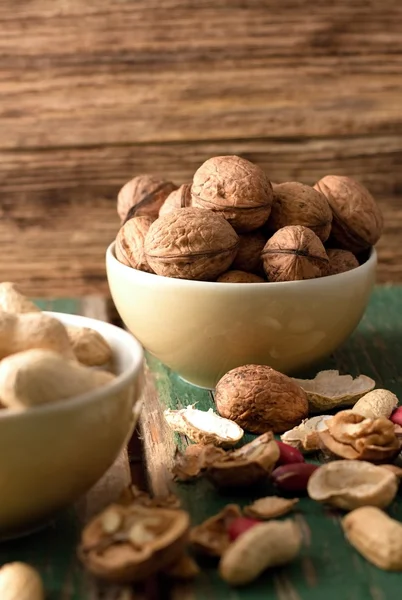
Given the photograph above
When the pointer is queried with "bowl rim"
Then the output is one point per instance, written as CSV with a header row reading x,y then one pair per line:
x,y
339,278
133,348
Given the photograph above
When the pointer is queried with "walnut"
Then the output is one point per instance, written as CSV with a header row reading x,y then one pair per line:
x,y
357,220
294,253
131,543
236,276
248,257
299,204
143,195
191,244
234,188
259,399
180,198
340,261
130,243
350,435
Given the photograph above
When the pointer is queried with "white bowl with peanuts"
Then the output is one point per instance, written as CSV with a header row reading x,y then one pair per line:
x,y
69,387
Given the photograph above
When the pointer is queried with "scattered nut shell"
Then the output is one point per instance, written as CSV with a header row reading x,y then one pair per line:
x,y
270,507
294,253
235,188
329,389
376,536
304,437
212,536
239,277
19,581
348,484
378,403
184,569
205,427
147,541
259,399
194,461
248,465
352,436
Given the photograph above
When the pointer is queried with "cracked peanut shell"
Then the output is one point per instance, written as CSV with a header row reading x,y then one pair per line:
x,y
191,244
260,399
129,246
235,188
143,196
357,220
299,204
294,253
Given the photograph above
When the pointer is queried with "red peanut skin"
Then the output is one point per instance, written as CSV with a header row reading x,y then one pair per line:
x,y
289,455
239,526
396,416
294,477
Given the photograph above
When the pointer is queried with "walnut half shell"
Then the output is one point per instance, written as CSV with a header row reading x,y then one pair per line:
x,y
130,543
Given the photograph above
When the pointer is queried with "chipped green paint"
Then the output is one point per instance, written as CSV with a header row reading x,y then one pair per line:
x,y
328,568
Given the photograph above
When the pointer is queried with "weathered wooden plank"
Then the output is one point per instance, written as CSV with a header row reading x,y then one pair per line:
x,y
137,77
328,567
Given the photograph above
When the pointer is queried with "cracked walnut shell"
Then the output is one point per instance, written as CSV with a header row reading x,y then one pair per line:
x,y
130,239
143,196
352,436
294,253
180,198
234,188
191,244
260,399
357,220
299,204
130,543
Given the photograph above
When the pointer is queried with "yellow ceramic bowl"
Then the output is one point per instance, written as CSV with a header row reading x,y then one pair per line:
x,y
201,329
51,455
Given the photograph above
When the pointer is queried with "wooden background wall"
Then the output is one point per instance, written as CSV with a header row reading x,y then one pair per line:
x,y
93,92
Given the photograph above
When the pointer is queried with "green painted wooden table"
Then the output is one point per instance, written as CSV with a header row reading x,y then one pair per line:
x,y
328,568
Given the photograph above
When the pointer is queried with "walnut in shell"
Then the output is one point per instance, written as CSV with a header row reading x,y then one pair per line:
x,y
248,465
204,427
130,243
259,399
304,437
234,188
299,204
357,220
235,276
212,537
329,389
248,257
191,244
180,198
131,543
352,436
270,507
348,484
143,196
294,253
340,261
377,403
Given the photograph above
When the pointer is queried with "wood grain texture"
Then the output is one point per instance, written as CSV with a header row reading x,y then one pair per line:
x,y
96,92
327,567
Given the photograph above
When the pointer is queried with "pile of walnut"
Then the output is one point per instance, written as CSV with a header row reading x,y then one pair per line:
x,y
43,361
231,224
